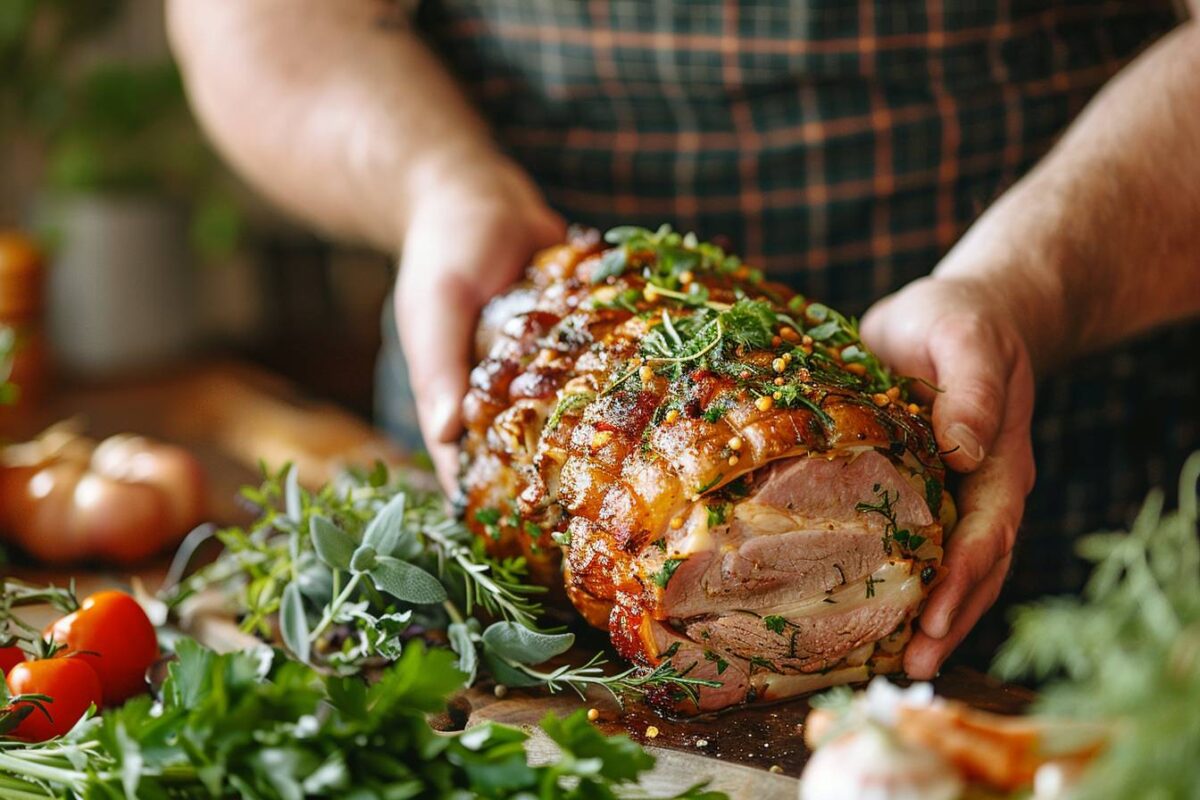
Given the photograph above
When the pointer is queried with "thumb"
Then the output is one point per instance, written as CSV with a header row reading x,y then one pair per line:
x,y
971,363
445,279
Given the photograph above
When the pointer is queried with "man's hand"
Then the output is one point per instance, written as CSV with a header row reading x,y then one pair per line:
x,y
473,223
954,334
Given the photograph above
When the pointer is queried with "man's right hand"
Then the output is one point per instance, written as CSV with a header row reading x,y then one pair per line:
x,y
472,223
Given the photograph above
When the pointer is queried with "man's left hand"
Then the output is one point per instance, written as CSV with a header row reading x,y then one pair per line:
x,y
952,333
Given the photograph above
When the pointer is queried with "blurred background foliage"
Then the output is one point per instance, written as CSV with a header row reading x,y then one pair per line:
x,y
107,125
92,109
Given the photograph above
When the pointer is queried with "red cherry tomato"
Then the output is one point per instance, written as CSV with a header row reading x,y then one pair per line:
x,y
113,635
71,685
9,658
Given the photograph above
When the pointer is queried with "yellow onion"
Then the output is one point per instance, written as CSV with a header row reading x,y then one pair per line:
x,y
65,498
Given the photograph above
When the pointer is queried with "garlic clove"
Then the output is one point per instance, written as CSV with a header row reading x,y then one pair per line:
x,y
872,764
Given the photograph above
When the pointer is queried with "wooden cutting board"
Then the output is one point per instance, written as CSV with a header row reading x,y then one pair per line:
x,y
753,752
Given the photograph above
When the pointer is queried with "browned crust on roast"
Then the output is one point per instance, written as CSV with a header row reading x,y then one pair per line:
x,y
609,473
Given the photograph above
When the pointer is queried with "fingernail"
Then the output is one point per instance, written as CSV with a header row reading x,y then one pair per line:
x,y
962,437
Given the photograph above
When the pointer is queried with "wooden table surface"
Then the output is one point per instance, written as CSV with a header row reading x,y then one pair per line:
x,y
755,752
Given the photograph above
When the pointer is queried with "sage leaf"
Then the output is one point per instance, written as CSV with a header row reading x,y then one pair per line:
x,y
333,545
364,558
523,645
291,494
407,582
293,623
623,233
459,634
612,264
385,530
506,674
824,331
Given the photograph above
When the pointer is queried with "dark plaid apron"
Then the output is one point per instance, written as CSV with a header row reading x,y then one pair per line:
x,y
844,147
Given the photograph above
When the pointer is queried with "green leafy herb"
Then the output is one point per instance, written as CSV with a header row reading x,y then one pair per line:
x,y
489,518
667,571
750,323
793,395
721,663
256,725
775,623
569,404
664,253
886,508
1127,652
8,346
717,514
762,663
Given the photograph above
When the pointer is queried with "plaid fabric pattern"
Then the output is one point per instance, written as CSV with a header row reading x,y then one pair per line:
x,y
844,147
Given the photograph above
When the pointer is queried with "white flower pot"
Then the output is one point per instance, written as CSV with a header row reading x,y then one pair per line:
x,y
121,283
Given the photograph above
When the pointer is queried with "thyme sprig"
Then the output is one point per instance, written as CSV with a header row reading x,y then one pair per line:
x,y
892,532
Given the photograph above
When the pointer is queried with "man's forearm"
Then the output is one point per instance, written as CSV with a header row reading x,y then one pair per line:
x,y
1102,240
330,114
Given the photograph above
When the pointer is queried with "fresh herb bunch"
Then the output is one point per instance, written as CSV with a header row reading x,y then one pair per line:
x,y
352,572
1127,652
260,725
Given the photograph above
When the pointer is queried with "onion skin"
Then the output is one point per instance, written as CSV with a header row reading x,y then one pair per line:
x,y
170,469
120,501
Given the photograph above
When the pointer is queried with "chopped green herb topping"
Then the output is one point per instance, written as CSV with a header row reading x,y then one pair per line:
x,y
568,404
758,661
775,623
706,486
717,514
722,664
886,508
664,574
489,518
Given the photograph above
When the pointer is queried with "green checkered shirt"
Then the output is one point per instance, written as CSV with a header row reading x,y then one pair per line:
x,y
844,147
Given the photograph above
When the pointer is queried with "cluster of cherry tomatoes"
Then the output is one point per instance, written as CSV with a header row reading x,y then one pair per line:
x,y
102,653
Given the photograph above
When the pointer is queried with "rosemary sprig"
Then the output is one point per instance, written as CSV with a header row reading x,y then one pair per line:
x,y
621,685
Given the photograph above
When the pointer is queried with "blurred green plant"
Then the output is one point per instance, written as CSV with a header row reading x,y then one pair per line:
x,y
8,391
112,126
